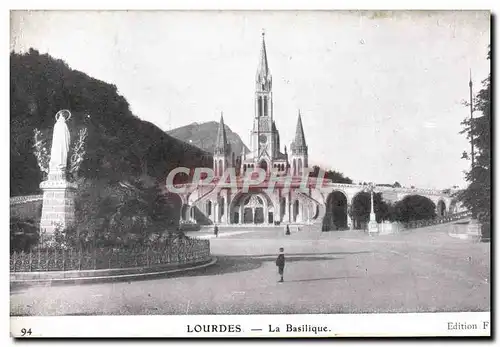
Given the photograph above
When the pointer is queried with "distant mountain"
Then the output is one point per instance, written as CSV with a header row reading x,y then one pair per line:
x,y
204,135
119,144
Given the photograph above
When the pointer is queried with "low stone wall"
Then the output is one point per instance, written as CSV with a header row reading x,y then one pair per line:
x,y
104,275
29,209
389,228
16,200
189,227
463,231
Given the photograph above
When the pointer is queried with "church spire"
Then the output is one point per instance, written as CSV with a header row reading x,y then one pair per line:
x,y
300,139
263,67
299,150
263,78
221,142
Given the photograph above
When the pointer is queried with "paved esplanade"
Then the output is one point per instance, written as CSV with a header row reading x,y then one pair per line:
x,y
422,271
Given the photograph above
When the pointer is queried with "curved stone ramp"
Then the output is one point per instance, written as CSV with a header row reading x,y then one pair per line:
x,y
102,276
459,230
455,231
430,235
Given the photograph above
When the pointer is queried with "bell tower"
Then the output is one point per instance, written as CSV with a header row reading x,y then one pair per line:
x,y
262,133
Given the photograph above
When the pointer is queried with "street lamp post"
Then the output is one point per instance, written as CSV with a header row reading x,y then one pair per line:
x,y
471,120
474,227
372,224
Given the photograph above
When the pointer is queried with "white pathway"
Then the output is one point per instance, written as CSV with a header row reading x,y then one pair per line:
x,y
221,234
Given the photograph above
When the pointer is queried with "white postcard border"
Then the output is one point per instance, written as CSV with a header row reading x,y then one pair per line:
x,y
420,323
274,326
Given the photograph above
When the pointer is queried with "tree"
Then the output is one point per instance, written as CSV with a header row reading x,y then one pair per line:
x,y
334,176
477,196
396,185
414,207
129,213
361,207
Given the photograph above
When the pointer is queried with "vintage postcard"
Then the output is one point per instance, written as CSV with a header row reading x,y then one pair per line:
x,y
250,173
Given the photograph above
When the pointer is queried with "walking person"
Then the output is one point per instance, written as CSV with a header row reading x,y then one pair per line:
x,y
216,230
280,263
287,230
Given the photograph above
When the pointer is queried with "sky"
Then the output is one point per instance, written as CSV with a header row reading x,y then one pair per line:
x,y
380,93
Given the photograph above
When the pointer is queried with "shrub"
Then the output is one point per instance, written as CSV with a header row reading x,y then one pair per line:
x,y
414,208
24,234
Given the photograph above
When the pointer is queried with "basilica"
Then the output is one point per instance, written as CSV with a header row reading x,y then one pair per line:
x,y
208,204
300,200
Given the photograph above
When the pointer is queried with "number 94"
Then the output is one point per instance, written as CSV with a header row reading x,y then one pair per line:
x,y
25,332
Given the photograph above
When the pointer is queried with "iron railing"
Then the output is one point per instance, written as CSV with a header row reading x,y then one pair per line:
x,y
435,221
181,251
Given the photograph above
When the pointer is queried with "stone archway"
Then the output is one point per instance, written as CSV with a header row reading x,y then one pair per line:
x,y
185,212
295,211
360,209
336,212
453,207
208,208
263,165
441,208
282,208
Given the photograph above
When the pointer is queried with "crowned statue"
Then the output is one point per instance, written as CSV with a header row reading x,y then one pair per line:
x,y
60,145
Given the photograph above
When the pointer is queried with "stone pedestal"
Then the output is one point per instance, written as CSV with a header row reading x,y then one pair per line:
x,y
372,224
474,229
350,223
58,209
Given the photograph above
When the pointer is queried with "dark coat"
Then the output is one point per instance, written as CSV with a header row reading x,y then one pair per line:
x,y
280,261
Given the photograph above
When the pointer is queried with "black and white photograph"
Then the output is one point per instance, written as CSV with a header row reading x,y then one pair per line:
x,y
245,173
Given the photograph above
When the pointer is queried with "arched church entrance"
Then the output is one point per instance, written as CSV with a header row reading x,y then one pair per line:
x,y
263,165
336,212
254,208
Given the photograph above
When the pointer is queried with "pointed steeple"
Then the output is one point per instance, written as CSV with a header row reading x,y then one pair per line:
x,y
299,150
300,139
221,142
263,77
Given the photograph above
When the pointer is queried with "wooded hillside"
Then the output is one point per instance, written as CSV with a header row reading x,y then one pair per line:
x,y
119,144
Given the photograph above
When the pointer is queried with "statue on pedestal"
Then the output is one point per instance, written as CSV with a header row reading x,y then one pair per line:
x,y
60,146
58,210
